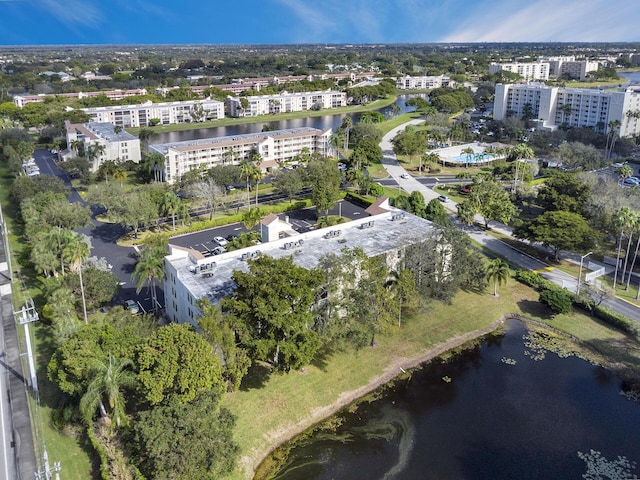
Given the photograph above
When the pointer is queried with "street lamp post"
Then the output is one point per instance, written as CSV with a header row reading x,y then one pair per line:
x,y
580,272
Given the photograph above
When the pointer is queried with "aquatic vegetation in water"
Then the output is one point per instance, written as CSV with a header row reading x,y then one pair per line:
x,y
446,378
508,361
633,394
539,343
598,467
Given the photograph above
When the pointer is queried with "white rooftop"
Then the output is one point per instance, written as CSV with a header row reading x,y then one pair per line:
x,y
211,276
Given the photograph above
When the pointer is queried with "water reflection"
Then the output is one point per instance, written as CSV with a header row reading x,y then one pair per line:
x,y
322,122
502,415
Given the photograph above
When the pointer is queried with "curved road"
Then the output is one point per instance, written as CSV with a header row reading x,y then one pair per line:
x,y
509,253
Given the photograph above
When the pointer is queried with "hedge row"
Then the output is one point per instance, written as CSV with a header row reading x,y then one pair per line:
x,y
605,314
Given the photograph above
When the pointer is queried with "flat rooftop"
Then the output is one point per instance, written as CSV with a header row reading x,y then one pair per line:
x,y
375,235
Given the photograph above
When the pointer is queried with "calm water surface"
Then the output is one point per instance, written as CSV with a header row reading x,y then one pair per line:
x,y
322,122
506,413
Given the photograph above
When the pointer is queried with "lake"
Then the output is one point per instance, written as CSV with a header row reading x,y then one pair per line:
x,y
506,409
322,122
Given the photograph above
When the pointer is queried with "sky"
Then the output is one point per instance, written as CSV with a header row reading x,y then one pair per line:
x,y
64,22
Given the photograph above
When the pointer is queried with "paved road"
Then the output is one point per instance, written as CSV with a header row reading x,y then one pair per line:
x,y
17,453
511,254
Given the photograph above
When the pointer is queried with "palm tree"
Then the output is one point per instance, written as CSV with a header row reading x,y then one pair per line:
x,y
396,109
633,224
622,219
144,135
403,283
170,205
94,152
498,272
77,146
614,125
346,125
257,173
76,251
149,268
566,110
229,156
246,170
109,378
635,255
120,174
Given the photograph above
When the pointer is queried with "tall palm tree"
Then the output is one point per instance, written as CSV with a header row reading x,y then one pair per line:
x,y
257,173
109,378
635,255
77,146
94,152
246,170
150,267
346,125
170,205
76,252
145,135
622,220
403,283
498,273
632,227
614,125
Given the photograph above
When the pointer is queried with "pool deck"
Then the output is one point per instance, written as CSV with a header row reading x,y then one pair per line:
x,y
453,154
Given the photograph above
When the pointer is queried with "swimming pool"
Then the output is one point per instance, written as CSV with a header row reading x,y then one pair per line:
x,y
464,158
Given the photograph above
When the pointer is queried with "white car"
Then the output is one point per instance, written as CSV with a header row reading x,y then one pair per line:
x,y
218,250
404,175
221,241
132,306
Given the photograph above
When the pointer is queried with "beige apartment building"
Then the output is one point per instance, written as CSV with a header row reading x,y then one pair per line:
x,y
274,147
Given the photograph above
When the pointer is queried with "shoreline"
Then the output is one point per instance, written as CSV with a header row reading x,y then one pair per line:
x,y
249,463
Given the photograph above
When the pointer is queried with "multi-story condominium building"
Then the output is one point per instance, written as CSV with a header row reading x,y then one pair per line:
x,y
528,71
569,67
387,234
420,83
22,100
127,116
112,145
285,102
274,147
574,107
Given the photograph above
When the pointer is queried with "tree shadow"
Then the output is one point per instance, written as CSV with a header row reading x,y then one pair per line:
x,y
536,309
321,358
256,377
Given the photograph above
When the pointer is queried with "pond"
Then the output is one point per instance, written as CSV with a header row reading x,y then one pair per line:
x,y
505,409
322,122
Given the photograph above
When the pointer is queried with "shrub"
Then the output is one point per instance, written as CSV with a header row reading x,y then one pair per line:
x,y
557,299
616,320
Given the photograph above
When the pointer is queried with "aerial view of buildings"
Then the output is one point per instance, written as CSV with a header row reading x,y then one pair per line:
x,y
321,241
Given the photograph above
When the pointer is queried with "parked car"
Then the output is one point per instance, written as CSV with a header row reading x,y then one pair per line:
x,y
443,198
221,241
132,306
218,250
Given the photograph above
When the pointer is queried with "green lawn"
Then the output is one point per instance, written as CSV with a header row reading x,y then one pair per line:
x,y
285,403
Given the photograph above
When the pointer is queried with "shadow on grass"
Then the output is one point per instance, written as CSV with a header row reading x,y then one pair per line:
x,y
256,377
321,358
535,309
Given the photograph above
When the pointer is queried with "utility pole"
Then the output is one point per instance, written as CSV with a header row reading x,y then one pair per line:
x,y
25,316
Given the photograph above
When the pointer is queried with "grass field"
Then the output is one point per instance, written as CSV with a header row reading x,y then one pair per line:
x,y
273,409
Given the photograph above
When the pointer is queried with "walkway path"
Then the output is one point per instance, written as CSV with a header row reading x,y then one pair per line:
x,y
514,256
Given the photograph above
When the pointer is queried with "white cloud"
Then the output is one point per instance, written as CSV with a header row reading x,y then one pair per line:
x,y
73,12
549,20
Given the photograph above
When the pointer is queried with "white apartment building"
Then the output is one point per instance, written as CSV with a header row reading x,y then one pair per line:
x,y
118,146
127,116
274,147
528,71
575,107
422,83
286,102
567,66
189,275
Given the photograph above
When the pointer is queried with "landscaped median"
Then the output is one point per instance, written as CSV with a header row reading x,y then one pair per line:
x,y
287,404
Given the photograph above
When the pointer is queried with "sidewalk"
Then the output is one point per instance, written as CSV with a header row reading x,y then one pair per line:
x,y
511,254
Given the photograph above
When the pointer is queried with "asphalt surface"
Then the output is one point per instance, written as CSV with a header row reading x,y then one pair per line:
x,y
509,253
17,452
